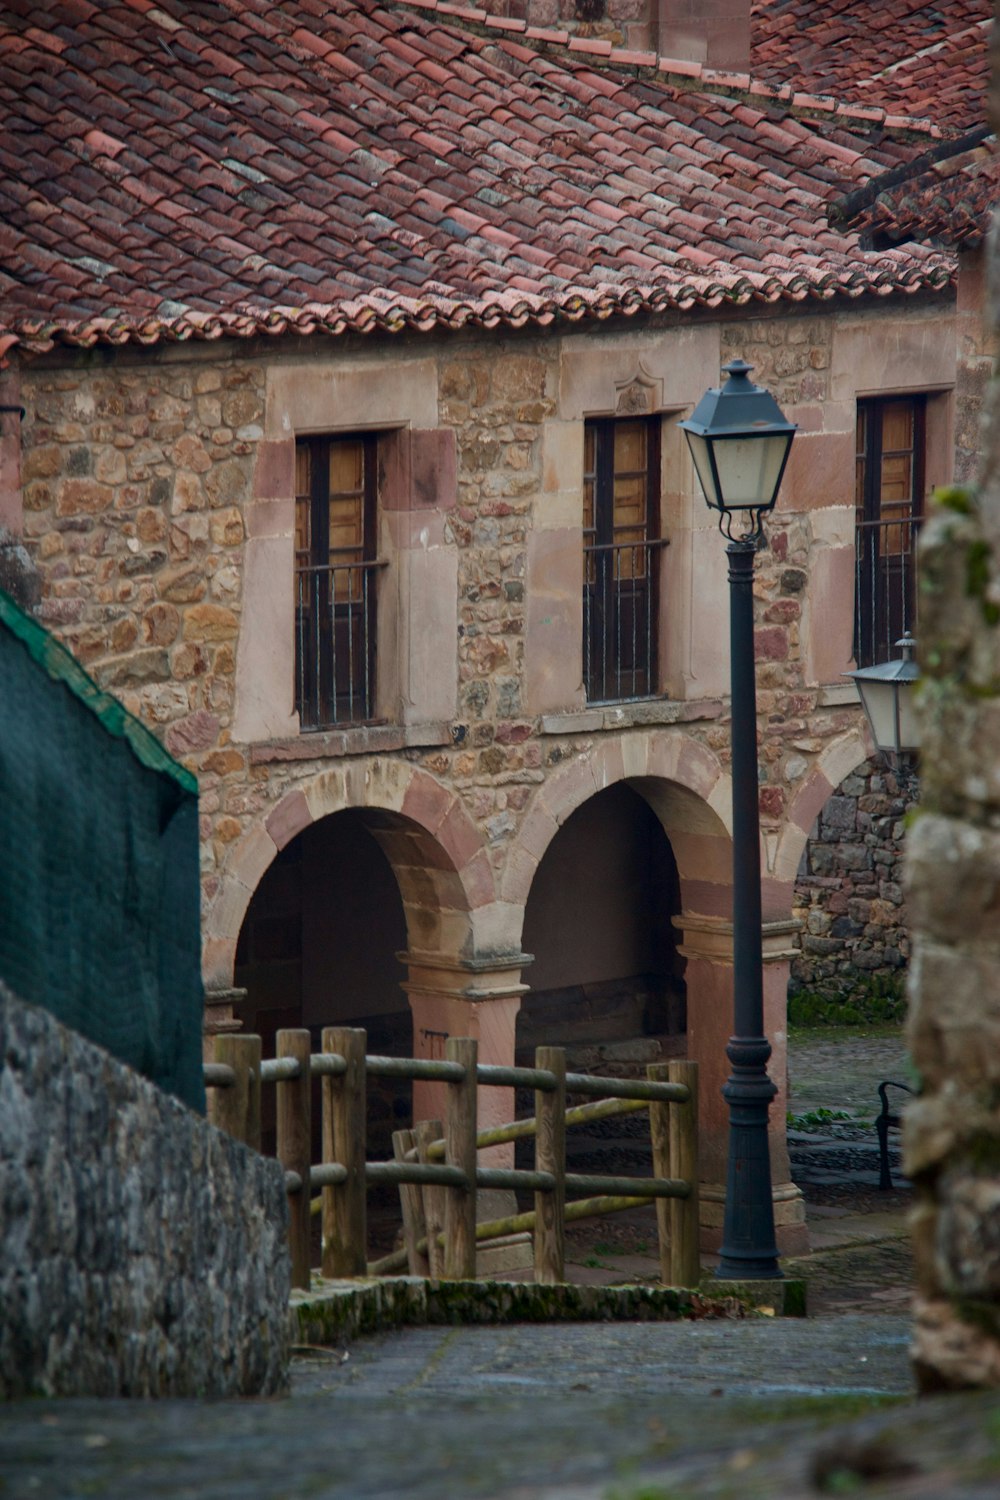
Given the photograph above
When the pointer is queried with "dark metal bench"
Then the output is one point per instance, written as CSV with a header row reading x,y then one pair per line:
x,y
882,1124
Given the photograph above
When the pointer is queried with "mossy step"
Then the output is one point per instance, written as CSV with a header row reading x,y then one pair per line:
x,y
336,1310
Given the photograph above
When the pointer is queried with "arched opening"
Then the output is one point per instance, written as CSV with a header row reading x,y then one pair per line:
x,y
607,978
318,948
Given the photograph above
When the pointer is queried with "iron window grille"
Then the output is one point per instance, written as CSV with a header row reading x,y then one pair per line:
x,y
889,484
621,558
336,572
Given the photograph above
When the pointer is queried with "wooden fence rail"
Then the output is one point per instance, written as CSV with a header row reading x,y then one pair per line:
x,y
436,1167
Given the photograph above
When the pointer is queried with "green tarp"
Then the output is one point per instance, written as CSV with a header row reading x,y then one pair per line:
x,y
99,883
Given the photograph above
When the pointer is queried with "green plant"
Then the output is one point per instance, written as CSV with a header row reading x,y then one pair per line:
x,y
880,1000
815,1119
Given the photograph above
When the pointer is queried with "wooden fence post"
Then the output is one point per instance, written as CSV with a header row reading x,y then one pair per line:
x,y
659,1136
411,1203
237,1110
460,1151
550,1156
294,1097
427,1132
345,1127
685,1250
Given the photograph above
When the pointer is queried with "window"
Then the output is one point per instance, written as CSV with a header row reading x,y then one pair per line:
x,y
621,558
335,572
889,483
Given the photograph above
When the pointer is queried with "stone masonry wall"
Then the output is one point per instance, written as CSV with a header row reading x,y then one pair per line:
x,y
144,1252
133,480
622,22
141,473
713,31
849,895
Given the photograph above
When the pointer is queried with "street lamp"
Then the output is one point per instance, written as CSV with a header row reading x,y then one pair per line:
x,y
740,442
886,693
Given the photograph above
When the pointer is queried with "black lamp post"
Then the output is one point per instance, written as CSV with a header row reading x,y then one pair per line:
x,y
886,693
740,442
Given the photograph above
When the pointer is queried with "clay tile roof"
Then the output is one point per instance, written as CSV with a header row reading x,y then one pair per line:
x,y
947,198
208,168
910,57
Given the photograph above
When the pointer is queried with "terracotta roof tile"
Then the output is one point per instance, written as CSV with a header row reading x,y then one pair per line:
x,y
236,167
910,57
949,202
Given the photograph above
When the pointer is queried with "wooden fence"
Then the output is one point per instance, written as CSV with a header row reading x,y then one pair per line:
x,y
437,1168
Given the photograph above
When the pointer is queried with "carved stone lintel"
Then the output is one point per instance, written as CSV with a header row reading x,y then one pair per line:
x,y
639,395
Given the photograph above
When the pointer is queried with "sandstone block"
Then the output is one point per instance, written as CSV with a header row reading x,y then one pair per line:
x,y
43,462
151,525
228,483
76,497
198,731
141,667
183,585
210,622
160,625
226,527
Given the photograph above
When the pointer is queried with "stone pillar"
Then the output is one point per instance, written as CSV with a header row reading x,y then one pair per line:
x,y
707,945
219,1017
478,998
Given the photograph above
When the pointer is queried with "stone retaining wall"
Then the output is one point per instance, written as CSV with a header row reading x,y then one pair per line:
x,y
848,894
144,1252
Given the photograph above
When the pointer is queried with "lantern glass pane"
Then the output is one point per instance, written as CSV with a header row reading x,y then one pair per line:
x,y
909,732
749,469
703,466
879,702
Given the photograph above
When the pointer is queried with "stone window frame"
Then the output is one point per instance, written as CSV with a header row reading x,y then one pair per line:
x,y
609,377
416,687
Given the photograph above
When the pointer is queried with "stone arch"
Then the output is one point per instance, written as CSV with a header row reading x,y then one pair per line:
x,y
691,795
682,781
433,846
840,757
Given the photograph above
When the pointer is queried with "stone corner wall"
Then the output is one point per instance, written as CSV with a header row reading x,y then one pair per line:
x,y
144,1253
848,892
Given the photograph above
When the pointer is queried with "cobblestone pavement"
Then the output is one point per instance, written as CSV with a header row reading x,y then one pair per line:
x,y
456,1412
841,1071
606,1412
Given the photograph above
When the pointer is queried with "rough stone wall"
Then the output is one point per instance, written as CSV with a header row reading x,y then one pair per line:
x,y
977,358
497,411
849,895
132,481
133,478
144,1252
952,1136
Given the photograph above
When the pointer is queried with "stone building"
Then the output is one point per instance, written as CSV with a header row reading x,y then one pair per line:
x,y
351,344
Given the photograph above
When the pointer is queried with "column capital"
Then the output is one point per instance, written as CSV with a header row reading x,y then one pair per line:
x,y
491,977
711,938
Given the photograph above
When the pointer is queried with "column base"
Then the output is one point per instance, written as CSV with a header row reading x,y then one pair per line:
x,y
790,1229
218,1017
